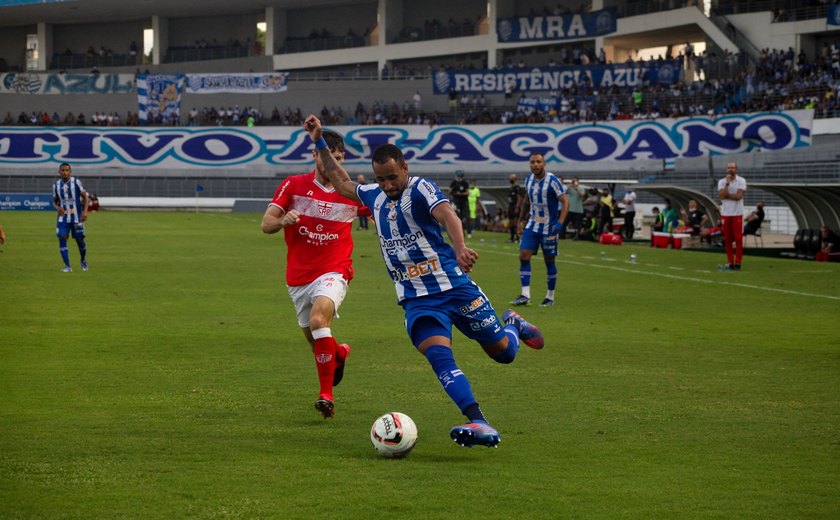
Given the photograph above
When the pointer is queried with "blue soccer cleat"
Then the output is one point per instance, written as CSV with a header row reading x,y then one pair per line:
x,y
470,434
67,269
530,334
548,302
522,300
84,266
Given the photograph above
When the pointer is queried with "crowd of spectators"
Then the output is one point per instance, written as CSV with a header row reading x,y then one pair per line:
x,y
434,29
325,40
93,57
781,80
46,119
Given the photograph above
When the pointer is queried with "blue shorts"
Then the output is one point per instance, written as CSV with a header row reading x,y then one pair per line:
x,y
465,306
532,242
62,229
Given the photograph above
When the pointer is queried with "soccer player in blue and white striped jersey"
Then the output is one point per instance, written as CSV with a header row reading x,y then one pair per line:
x,y
430,276
70,201
542,216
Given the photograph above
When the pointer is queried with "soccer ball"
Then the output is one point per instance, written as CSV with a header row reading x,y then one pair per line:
x,y
393,435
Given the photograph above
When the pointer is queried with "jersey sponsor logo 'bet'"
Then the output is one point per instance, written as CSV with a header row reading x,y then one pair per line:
x,y
475,304
414,271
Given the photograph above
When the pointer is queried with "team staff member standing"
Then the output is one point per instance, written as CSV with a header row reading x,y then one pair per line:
x,y
70,200
542,220
317,223
516,196
731,191
430,277
459,190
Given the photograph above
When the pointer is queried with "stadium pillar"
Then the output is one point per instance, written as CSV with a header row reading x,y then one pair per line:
x,y
45,44
276,21
160,28
492,16
597,4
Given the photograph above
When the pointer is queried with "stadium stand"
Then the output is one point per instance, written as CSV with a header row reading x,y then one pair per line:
x,y
360,63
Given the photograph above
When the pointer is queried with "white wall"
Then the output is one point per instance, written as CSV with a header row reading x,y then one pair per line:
x,y
757,27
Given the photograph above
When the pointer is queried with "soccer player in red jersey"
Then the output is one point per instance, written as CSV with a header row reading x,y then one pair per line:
x,y
317,223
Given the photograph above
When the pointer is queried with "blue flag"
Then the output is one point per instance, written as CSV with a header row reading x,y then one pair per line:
x,y
199,188
833,14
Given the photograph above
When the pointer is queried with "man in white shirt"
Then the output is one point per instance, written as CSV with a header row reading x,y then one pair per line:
x,y
731,191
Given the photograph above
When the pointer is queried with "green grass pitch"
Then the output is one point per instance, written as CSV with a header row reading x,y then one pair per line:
x,y
171,381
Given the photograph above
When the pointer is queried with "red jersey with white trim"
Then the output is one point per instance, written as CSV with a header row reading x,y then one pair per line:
x,y
321,241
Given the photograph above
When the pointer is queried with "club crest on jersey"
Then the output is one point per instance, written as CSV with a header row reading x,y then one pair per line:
x,y
392,210
324,208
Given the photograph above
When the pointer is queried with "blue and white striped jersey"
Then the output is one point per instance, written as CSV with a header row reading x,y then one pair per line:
x,y
68,196
544,195
418,259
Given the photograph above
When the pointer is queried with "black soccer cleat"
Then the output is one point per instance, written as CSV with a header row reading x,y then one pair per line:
x,y
325,405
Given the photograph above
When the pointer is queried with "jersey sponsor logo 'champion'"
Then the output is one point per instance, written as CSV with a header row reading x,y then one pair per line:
x,y
320,237
402,241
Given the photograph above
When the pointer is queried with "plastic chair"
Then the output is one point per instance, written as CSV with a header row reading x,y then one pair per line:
x,y
757,236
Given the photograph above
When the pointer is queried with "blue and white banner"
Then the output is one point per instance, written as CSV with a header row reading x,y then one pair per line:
x,y
26,202
159,95
560,27
540,79
284,148
239,83
833,14
37,83
529,105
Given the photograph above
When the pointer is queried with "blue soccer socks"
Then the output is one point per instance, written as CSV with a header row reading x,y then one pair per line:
x,y
509,354
525,276
62,248
551,272
454,382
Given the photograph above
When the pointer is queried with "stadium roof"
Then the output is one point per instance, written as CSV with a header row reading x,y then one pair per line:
x,y
77,11
813,205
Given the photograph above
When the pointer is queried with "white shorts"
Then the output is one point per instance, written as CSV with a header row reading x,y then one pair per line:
x,y
331,285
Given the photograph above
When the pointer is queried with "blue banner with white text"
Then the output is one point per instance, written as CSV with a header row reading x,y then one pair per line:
x,y
26,202
42,83
142,149
538,79
557,27
251,83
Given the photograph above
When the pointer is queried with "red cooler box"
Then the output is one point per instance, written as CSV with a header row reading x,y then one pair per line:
x,y
610,239
659,239
679,240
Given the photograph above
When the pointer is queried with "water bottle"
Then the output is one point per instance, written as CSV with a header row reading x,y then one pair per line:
x,y
727,267
720,268
493,241
603,255
481,240
633,258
